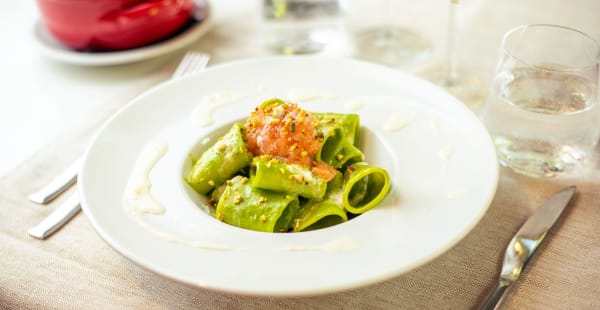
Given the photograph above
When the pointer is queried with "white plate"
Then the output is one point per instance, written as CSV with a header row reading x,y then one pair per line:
x,y
55,50
442,164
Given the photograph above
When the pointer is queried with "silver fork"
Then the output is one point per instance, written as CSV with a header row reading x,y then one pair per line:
x,y
190,63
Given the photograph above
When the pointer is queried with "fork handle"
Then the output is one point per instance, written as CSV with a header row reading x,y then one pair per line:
x,y
495,297
58,185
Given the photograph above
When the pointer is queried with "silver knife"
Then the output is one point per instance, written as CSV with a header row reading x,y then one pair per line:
x,y
523,245
61,215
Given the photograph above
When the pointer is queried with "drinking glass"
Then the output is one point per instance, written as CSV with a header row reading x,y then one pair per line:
x,y
391,45
301,26
542,109
463,84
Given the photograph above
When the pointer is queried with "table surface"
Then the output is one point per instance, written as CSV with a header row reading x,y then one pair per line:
x,y
50,110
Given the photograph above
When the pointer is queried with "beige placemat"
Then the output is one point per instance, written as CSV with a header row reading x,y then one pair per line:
x,y
75,269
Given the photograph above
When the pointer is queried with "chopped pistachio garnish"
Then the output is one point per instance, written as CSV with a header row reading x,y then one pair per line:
x,y
237,197
296,177
271,162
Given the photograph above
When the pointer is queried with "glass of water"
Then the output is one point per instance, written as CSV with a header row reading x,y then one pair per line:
x,y
391,44
542,109
302,26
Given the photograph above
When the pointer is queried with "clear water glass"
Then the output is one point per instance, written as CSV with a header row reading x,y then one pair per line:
x,y
302,26
390,44
542,108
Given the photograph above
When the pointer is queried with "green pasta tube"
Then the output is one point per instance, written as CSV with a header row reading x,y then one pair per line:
x,y
220,162
350,124
243,206
332,139
340,134
364,187
337,151
329,211
344,155
216,194
272,174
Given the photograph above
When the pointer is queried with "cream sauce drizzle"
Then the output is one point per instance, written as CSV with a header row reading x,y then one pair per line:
x,y
177,239
444,154
202,115
398,121
138,200
137,197
353,105
455,194
342,244
435,125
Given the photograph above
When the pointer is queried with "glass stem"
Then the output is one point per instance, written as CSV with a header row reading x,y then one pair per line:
x,y
388,17
451,71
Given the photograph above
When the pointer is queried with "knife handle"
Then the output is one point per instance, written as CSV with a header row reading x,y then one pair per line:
x,y
494,298
60,216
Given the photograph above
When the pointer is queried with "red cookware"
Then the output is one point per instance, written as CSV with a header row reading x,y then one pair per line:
x,y
113,24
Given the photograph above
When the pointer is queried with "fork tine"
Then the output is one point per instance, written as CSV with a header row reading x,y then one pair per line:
x,y
199,63
191,62
181,67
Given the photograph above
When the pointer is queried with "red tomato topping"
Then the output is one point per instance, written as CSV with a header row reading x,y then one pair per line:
x,y
284,130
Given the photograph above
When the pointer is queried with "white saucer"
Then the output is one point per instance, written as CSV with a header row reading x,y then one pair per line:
x,y
55,50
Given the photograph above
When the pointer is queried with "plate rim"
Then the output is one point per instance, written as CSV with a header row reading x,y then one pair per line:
x,y
287,293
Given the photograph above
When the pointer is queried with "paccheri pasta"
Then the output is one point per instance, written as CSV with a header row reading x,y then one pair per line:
x,y
287,169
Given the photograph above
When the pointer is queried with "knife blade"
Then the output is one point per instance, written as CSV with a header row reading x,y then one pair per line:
x,y
524,244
